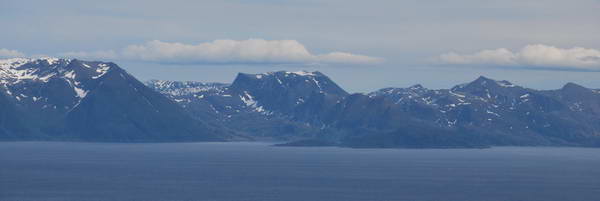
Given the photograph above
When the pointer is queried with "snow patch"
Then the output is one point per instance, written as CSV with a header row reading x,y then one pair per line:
x,y
524,96
318,84
13,70
456,94
101,70
492,113
50,61
46,78
576,107
70,75
175,88
505,83
248,99
80,92
302,73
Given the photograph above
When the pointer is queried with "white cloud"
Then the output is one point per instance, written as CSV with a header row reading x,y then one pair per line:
x,y
252,51
538,55
6,53
498,57
343,57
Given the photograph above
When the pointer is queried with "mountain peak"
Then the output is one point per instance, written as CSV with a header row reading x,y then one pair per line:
x,y
304,80
52,60
487,88
572,84
486,82
302,73
574,87
416,87
27,79
18,61
482,80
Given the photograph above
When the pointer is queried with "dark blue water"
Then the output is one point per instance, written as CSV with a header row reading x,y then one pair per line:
x,y
259,172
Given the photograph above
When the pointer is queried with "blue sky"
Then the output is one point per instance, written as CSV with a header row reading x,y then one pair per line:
x,y
362,45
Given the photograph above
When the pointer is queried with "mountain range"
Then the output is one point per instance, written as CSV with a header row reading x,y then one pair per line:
x,y
70,99
311,108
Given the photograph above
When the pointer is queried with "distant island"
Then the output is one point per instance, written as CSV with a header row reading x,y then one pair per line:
x,y
74,100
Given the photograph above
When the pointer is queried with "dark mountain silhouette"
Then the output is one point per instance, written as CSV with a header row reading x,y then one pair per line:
x,y
314,109
69,99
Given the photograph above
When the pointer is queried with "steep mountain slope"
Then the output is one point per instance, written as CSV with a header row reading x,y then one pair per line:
x,y
278,104
80,100
13,121
302,96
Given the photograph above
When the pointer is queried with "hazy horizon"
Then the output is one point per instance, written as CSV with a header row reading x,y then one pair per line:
x,y
363,46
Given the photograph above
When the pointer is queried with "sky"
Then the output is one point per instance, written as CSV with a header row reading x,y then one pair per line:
x,y
362,45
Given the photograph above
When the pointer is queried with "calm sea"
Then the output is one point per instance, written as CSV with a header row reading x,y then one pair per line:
x,y
260,172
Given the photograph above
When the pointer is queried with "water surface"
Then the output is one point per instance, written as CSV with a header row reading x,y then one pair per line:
x,y
260,172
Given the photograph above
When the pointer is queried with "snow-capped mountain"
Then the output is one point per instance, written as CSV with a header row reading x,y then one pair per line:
x,y
269,104
73,99
70,99
299,95
500,112
50,83
480,113
268,94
